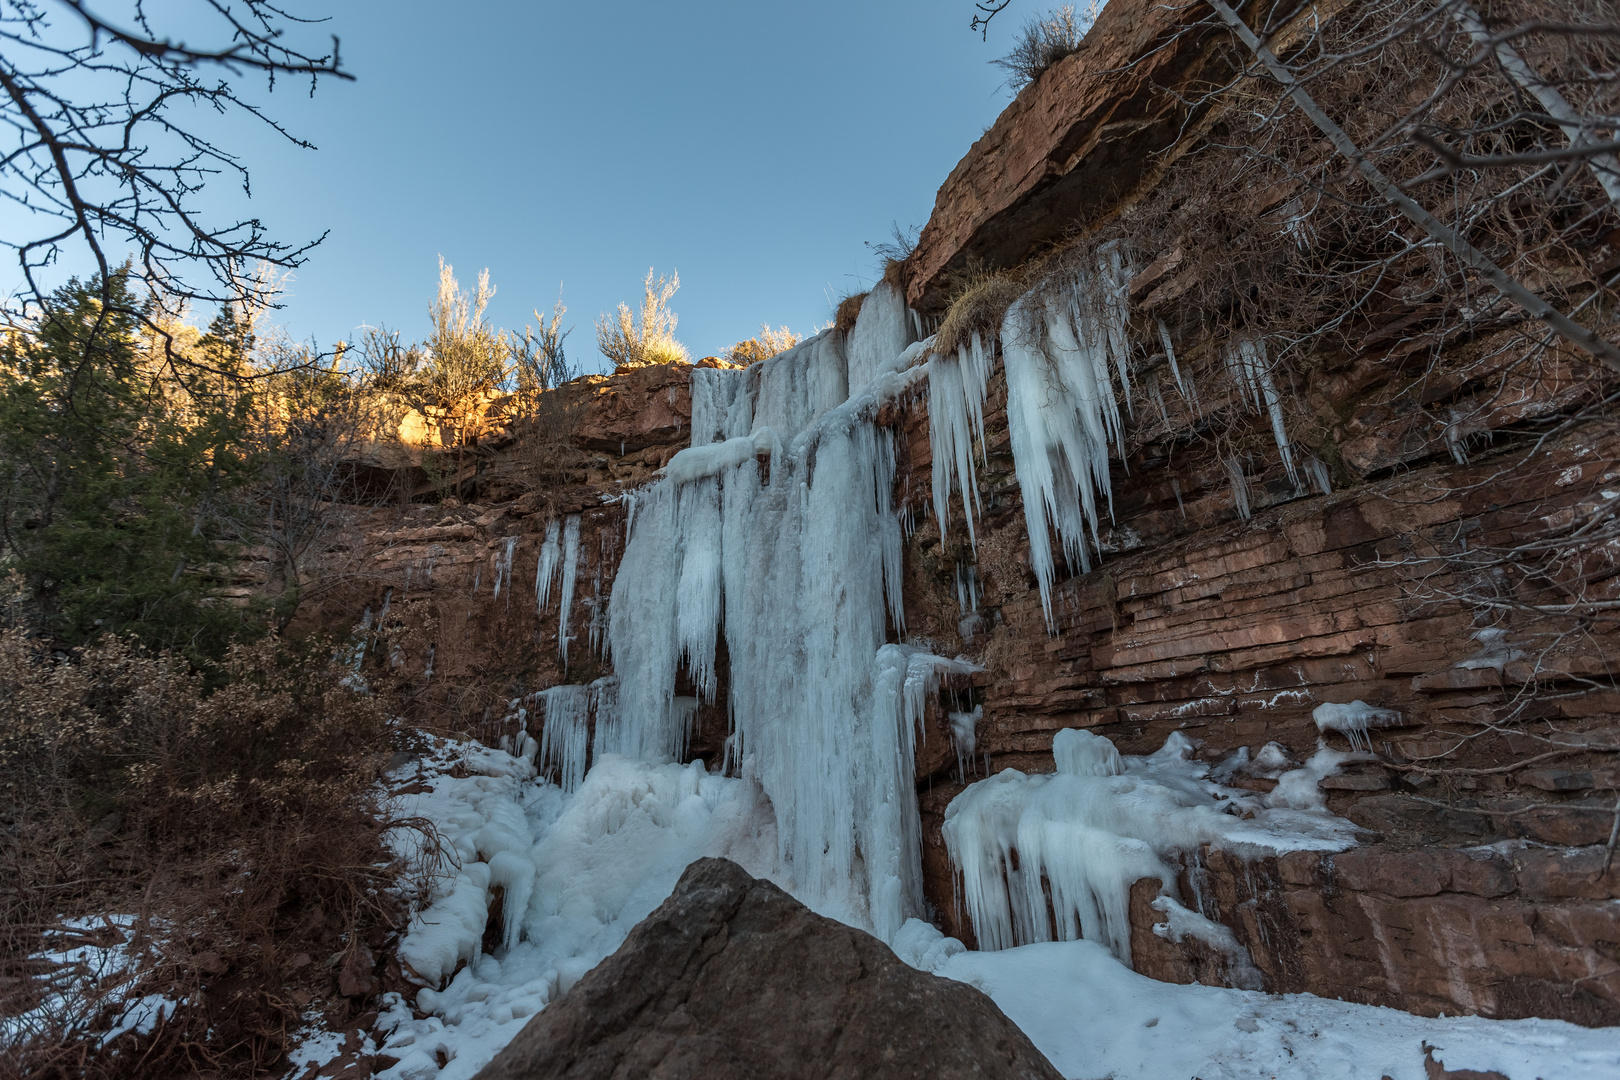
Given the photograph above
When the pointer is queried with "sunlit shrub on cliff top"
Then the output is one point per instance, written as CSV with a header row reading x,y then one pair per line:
x,y
1044,41
629,341
763,345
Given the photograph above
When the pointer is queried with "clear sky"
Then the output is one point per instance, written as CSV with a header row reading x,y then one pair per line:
x,y
753,146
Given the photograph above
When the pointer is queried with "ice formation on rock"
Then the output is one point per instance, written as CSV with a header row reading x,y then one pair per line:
x,y
570,572
956,392
881,333
503,566
1189,392
546,569
781,535
1301,788
965,737
565,712
1062,418
1354,721
1052,857
1250,368
1495,652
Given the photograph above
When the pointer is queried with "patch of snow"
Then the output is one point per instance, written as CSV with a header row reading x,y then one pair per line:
x,y
1181,923
1494,651
1092,1016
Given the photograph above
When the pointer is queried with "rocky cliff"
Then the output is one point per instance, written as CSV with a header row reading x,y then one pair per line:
x,y
1231,601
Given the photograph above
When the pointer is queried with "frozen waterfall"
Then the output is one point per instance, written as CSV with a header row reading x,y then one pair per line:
x,y
778,536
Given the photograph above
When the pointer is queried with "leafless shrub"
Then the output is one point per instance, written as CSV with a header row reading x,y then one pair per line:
x,y
538,356
1044,41
631,342
237,828
894,252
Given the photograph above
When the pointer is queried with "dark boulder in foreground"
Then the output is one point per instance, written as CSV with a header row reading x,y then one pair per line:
x,y
733,978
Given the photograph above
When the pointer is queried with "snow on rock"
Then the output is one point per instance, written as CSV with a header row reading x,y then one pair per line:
x,y
1181,923
1300,789
1084,834
1494,653
1354,721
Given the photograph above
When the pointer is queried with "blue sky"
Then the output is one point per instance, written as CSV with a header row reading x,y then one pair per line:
x,y
751,146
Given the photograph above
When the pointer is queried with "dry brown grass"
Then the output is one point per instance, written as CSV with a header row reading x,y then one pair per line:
x,y
239,827
849,309
980,306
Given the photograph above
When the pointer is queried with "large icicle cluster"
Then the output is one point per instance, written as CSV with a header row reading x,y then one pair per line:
x,y
559,557
1052,857
802,559
1061,348
1067,358
956,392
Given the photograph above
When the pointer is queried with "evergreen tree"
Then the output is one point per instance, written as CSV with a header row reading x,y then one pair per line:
x,y
117,483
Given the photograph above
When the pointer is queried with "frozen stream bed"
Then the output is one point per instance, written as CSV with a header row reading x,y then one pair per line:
x,y
605,856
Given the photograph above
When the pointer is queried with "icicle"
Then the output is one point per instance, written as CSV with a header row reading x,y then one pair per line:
x,y
967,589
546,569
1251,370
956,391
503,566
885,806
1189,392
1315,468
570,570
1240,486
566,714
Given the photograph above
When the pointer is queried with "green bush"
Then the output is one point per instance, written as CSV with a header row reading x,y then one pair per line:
x,y
121,481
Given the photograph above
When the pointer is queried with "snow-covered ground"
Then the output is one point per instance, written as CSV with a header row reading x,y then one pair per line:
x,y
598,862
1094,1017
90,971
605,856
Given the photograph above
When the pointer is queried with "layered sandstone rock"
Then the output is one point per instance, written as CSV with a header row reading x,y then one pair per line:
x,y
1479,887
